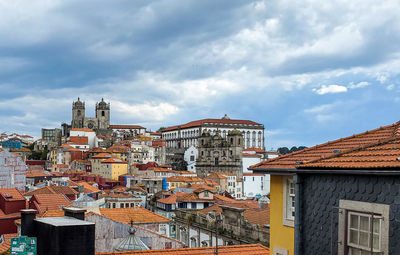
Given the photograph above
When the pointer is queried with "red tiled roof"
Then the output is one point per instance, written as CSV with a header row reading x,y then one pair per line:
x,y
53,190
12,193
198,123
118,149
137,215
6,245
252,174
168,200
253,249
375,156
88,188
126,127
79,139
50,202
254,149
257,216
114,160
251,155
294,159
82,129
102,155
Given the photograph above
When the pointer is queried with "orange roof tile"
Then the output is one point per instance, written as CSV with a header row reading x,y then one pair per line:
x,y
253,249
257,216
126,127
383,154
52,213
53,190
198,123
168,200
290,161
103,155
11,194
137,215
82,129
88,188
79,139
51,202
6,245
254,149
113,161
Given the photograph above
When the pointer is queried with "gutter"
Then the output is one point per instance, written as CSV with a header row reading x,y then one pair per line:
x,y
298,228
291,171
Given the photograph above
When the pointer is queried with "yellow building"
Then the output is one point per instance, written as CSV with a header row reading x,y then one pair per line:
x,y
112,168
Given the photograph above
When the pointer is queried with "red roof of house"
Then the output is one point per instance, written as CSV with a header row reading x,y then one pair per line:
x,y
11,194
102,155
255,149
253,249
50,202
79,139
294,159
137,215
380,155
82,129
126,127
198,123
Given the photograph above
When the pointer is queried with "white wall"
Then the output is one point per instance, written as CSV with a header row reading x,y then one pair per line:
x,y
191,164
249,161
92,138
252,185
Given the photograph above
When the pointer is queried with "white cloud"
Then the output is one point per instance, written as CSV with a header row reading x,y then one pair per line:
x,y
319,108
390,87
146,111
359,85
330,89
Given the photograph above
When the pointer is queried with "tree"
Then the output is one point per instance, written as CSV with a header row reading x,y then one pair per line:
x,y
285,150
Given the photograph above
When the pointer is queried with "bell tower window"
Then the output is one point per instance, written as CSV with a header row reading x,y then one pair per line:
x,y
79,113
102,113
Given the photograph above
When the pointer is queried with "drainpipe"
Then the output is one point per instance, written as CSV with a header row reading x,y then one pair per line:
x,y
298,215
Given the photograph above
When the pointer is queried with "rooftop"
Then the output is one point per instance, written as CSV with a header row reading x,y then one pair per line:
x,y
63,221
137,215
254,249
198,123
292,160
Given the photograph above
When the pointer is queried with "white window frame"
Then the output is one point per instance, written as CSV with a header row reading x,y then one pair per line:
x,y
348,207
288,198
280,251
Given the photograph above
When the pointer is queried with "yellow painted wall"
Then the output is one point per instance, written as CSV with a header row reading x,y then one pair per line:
x,y
118,169
281,236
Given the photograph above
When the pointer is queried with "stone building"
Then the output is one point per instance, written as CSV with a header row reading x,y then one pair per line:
x,y
219,154
100,123
12,171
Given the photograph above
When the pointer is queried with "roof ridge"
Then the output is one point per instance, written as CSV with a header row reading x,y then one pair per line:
x,y
327,143
359,148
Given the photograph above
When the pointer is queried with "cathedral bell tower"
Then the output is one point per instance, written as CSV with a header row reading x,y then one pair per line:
x,y
103,115
78,114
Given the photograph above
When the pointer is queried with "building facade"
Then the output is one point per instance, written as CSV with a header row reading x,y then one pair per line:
x,y
220,154
185,135
12,171
100,123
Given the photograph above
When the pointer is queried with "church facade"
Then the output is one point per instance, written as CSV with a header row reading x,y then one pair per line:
x,y
100,123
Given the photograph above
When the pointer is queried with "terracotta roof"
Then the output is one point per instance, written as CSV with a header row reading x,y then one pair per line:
x,y
254,149
11,194
118,149
79,139
82,129
6,245
88,188
96,149
138,188
52,213
119,188
137,215
292,160
383,155
168,200
253,249
102,155
53,190
50,202
252,174
251,155
223,198
126,127
198,123
257,216
73,149
214,207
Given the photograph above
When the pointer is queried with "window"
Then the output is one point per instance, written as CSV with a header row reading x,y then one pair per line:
x,y
206,193
363,227
102,113
288,202
122,205
253,179
194,205
216,161
192,158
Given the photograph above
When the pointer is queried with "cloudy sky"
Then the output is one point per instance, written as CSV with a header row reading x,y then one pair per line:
x,y
310,71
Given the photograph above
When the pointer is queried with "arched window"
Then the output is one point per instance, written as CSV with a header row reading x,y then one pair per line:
x,y
103,113
193,242
78,113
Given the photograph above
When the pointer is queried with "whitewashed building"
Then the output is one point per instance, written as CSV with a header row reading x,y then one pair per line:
x,y
190,156
185,135
256,184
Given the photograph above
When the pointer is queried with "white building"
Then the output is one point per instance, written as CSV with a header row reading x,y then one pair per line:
x,y
256,184
190,156
85,132
185,135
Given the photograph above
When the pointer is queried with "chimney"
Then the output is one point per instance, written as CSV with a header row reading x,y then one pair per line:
x,y
74,212
27,222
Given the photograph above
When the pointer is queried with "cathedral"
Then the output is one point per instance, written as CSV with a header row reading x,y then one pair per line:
x,y
100,123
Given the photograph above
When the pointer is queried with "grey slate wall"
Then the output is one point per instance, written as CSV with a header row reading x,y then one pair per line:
x,y
321,193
